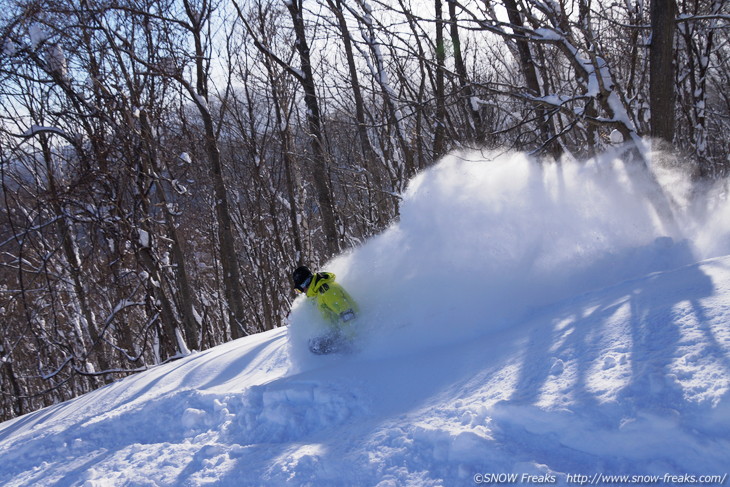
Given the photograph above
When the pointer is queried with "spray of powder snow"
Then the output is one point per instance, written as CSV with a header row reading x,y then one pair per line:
x,y
484,239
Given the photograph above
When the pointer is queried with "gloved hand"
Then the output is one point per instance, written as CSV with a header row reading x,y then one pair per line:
x,y
348,315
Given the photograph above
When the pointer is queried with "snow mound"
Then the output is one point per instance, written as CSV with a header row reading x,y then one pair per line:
x,y
288,411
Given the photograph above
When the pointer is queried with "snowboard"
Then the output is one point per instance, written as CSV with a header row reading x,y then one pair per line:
x,y
330,343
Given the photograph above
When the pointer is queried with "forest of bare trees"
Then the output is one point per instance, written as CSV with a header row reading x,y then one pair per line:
x,y
166,163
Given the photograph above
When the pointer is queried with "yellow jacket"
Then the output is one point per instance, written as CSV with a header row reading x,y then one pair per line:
x,y
337,307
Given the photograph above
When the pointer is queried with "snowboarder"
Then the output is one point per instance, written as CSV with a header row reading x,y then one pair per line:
x,y
337,307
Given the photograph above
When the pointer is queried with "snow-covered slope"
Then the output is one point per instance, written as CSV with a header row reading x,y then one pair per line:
x,y
519,319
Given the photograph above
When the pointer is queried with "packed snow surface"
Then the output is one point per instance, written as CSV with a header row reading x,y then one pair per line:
x,y
521,323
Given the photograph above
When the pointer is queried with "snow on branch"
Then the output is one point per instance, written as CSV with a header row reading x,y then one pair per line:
x,y
34,130
693,18
54,373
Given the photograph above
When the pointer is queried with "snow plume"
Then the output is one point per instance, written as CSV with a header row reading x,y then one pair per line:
x,y
486,239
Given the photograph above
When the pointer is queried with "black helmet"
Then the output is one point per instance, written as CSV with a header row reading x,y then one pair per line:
x,y
302,276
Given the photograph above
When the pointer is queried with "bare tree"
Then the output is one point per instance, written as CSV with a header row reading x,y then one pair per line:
x,y
469,103
698,26
319,162
372,160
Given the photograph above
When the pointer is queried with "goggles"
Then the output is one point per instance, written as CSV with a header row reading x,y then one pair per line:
x,y
303,286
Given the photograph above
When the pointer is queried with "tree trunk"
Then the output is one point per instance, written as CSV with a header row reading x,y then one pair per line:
x,y
291,171
370,158
320,166
229,262
187,314
661,66
439,132
68,243
16,392
527,64
464,84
